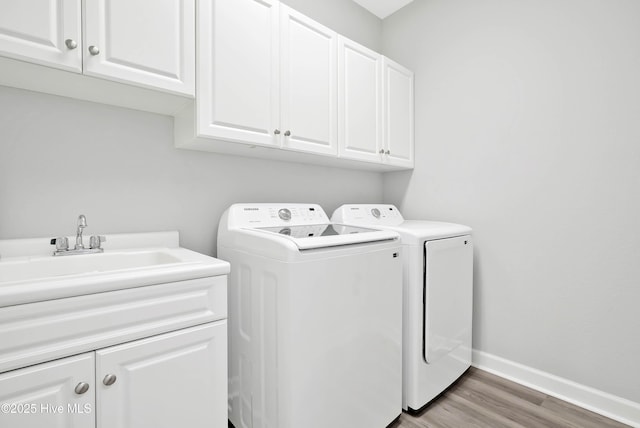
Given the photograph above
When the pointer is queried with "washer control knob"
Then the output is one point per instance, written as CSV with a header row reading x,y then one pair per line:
x,y
284,214
375,212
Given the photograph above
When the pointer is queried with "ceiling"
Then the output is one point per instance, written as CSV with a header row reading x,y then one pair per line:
x,y
382,8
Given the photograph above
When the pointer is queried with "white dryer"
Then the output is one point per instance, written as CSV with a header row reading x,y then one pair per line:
x,y
438,295
315,319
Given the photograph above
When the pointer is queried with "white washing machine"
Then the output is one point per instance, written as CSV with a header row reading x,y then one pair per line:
x,y
315,319
438,295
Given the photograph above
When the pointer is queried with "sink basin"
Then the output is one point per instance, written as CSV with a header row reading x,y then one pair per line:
x,y
46,267
30,273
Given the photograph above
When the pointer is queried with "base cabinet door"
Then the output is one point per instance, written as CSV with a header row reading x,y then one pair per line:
x,y
177,379
46,32
146,43
58,394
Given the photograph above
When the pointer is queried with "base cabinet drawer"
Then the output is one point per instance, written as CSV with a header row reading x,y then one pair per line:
x,y
43,331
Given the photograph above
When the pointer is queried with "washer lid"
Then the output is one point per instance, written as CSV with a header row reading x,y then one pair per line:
x,y
312,236
385,216
415,231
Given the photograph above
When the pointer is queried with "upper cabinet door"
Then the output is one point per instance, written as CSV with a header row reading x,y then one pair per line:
x,y
398,114
147,43
50,394
238,95
176,379
359,102
308,84
38,30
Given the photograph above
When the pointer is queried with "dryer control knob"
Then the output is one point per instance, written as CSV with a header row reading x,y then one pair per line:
x,y
375,212
284,214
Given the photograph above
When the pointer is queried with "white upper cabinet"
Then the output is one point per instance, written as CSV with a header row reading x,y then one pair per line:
x,y
266,77
308,84
149,43
359,102
269,77
46,32
238,87
398,115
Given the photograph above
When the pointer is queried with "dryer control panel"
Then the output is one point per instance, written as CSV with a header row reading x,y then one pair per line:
x,y
368,214
273,215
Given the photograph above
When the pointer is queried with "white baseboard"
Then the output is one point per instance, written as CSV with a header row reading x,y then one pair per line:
x,y
611,406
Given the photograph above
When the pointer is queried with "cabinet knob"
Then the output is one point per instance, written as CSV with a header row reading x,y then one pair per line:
x,y
287,133
93,50
81,388
109,379
277,132
388,152
381,151
71,44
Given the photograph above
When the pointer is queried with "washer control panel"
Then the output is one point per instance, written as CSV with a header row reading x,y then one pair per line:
x,y
268,215
368,214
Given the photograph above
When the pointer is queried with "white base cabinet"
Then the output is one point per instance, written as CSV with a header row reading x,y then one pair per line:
x,y
166,381
150,356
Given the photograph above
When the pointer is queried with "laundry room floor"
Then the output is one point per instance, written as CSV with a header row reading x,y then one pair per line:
x,y
480,399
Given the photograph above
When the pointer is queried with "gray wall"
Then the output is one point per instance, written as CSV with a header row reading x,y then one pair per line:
x,y
527,130
61,157
345,17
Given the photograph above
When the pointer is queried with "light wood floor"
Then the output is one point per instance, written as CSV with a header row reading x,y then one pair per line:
x,y
480,399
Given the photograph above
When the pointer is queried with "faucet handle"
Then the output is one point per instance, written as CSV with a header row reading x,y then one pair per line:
x,y
61,243
96,240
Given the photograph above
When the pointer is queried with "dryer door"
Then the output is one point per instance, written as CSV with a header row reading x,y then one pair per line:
x,y
448,296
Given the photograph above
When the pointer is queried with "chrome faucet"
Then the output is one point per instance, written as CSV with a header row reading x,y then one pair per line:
x,y
62,242
82,223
